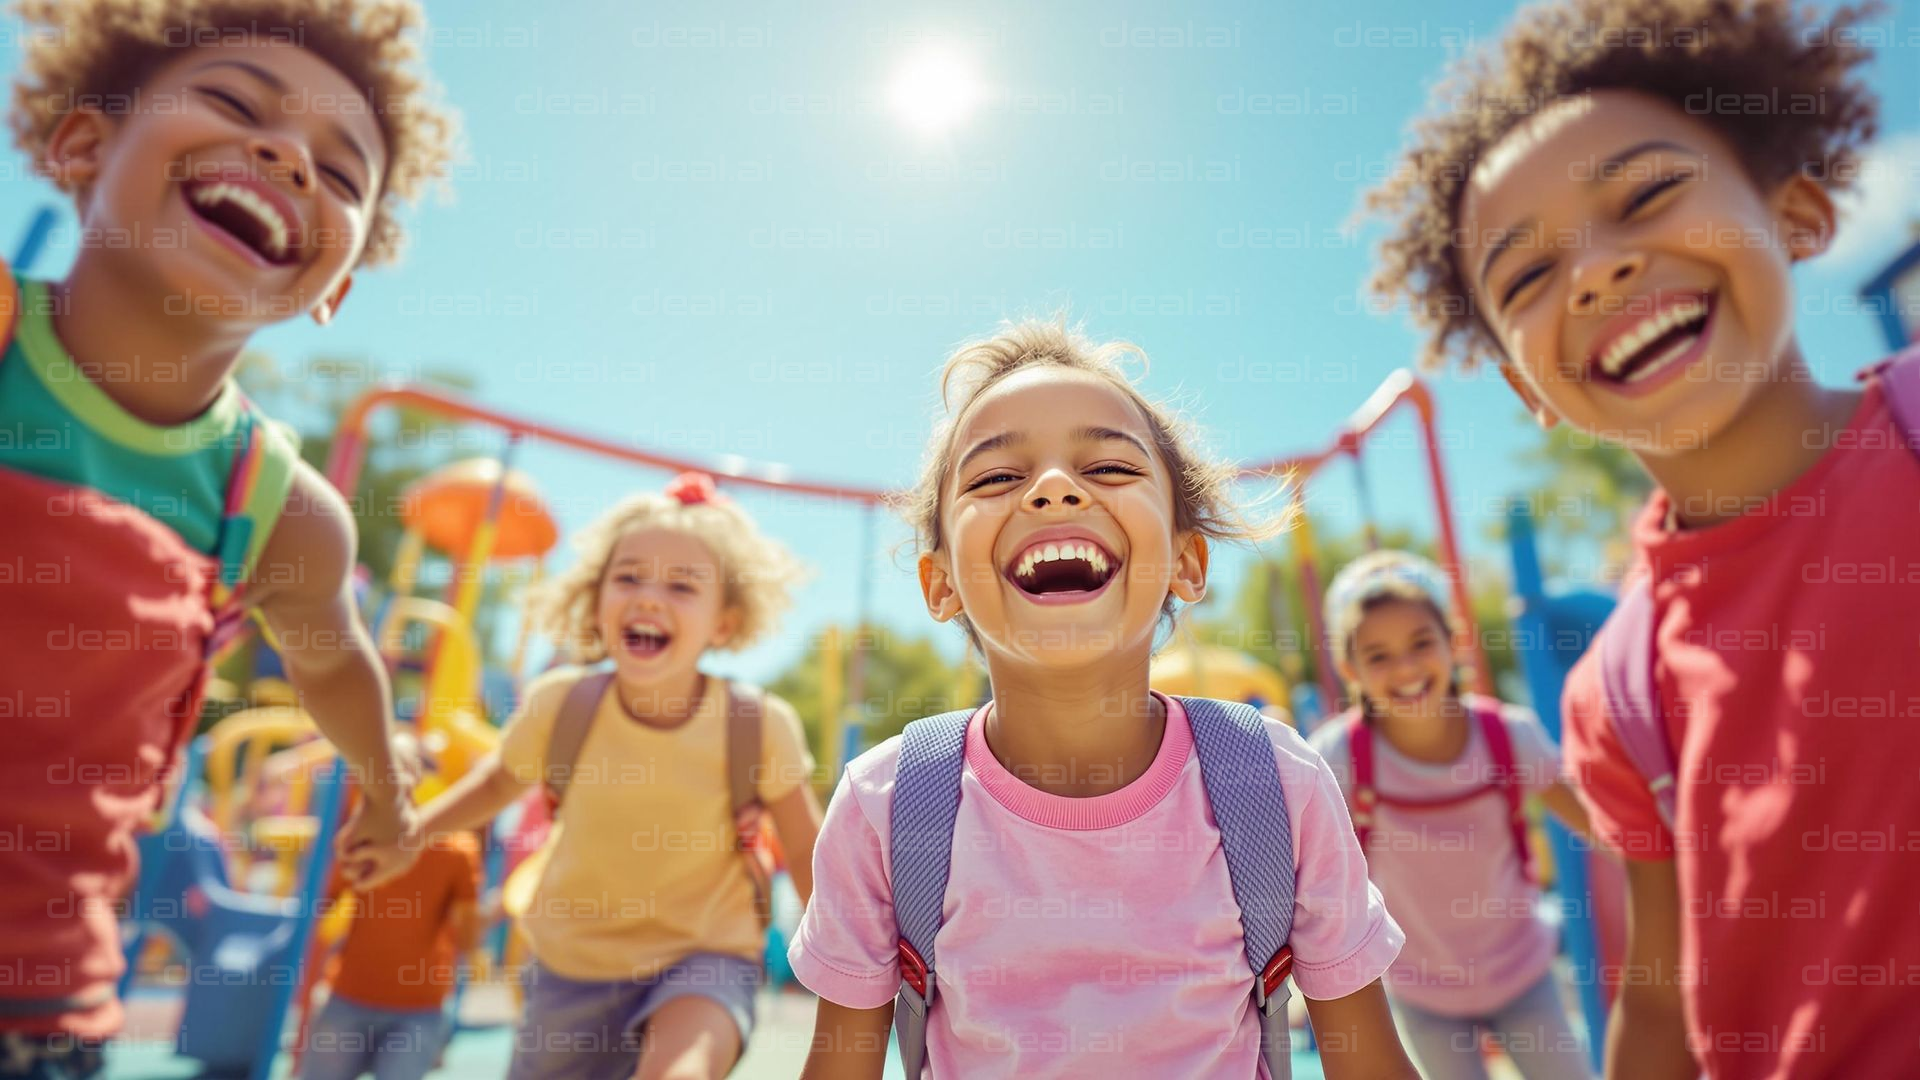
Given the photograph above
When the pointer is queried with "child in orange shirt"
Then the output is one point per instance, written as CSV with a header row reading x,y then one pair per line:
x,y
386,1010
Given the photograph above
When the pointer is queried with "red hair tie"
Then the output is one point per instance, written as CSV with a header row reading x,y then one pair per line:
x,y
694,489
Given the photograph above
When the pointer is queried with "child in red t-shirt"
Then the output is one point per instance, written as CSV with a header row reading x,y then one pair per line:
x,y
1611,208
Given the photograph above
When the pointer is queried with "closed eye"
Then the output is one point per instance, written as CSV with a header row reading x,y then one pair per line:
x,y
345,182
1525,278
1653,191
232,102
992,478
1115,467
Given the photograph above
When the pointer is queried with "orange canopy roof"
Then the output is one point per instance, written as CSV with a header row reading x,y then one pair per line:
x,y
449,504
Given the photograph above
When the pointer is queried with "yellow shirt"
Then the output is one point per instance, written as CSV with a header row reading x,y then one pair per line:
x,y
644,870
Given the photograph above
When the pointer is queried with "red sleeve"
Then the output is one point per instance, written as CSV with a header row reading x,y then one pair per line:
x,y
1624,814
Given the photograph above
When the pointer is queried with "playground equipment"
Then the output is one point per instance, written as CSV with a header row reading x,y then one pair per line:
x,y
1552,632
1402,388
244,952
1191,669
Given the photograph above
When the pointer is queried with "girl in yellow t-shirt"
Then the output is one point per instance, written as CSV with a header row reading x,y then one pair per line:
x,y
647,948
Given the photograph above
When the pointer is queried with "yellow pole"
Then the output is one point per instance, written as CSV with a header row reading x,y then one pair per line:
x,y
832,694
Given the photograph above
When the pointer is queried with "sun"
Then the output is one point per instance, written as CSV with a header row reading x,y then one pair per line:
x,y
934,90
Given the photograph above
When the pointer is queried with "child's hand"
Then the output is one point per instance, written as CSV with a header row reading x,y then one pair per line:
x,y
748,823
380,841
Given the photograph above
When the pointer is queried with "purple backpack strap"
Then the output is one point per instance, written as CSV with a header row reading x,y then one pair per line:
x,y
1242,779
925,804
1633,702
1899,378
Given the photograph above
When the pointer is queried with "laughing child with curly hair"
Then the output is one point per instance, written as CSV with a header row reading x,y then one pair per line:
x,y
647,950
232,162
1610,206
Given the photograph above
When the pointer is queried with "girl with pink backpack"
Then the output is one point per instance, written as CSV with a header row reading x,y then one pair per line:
x,y
1437,781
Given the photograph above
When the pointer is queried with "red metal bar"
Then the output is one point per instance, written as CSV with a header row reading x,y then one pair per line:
x,y
1402,388
344,463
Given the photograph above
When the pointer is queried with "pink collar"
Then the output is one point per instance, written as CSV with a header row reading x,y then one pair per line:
x,y
1100,811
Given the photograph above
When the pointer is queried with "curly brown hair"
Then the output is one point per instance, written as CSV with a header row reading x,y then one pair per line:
x,y
1674,50
104,50
1201,495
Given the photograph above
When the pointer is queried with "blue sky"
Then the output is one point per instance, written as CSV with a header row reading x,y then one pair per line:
x,y
697,227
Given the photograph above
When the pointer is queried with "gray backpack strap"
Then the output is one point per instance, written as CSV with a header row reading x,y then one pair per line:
x,y
926,799
746,715
569,732
1626,643
1242,779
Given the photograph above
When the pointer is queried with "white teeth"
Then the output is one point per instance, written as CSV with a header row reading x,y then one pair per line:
x,y
1614,360
1411,689
1086,553
251,201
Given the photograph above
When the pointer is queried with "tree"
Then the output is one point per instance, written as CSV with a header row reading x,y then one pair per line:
x,y
906,678
1585,500
1267,617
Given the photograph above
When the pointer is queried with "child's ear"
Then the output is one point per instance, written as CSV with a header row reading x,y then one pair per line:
x,y
1190,570
936,585
72,156
327,308
728,626
1542,415
1807,217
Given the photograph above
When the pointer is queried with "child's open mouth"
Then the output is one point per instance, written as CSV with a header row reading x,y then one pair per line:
x,y
1408,693
1655,348
247,217
645,640
1063,571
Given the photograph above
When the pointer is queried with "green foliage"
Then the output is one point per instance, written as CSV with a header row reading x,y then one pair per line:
x,y
906,678
1585,499
1267,617
402,444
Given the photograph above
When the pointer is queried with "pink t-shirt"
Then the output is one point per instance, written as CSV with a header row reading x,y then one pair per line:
x,y
1089,937
1451,876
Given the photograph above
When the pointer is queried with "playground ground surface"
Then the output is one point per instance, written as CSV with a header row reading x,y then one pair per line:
x,y
778,1050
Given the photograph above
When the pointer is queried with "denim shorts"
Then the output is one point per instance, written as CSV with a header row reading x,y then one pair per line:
x,y
574,1030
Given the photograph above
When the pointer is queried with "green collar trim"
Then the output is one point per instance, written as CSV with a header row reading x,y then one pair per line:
x,y
90,405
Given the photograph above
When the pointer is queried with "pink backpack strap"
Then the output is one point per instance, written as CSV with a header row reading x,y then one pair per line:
x,y
1493,728
1365,798
1899,378
1632,701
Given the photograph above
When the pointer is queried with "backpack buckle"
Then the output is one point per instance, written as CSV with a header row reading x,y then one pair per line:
x,y
914,971
1268,987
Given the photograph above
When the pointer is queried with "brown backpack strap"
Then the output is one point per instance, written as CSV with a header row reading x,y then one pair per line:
x,y
570,729
746,715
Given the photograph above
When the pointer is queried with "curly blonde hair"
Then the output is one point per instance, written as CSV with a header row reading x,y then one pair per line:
x,y
104,50
1674,50
1201,494
757,573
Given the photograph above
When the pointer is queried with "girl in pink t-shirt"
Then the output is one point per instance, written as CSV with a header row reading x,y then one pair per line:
x,y
1089,924
1436,779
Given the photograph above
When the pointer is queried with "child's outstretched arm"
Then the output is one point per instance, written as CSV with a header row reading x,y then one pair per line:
x,y
848,1044
1565,805
1357,1039
796,820
1647,1033
330,660
473,801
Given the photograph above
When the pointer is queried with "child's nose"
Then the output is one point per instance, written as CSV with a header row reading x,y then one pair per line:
x,y
1599,275
1055,487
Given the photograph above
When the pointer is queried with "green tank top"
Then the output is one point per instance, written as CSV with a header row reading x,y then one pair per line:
x,y
56,424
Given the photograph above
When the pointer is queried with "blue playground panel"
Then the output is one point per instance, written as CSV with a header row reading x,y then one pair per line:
x,y
1551,633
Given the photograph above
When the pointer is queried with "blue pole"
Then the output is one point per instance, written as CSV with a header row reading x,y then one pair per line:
x,y
333,786
1543,659
38,229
